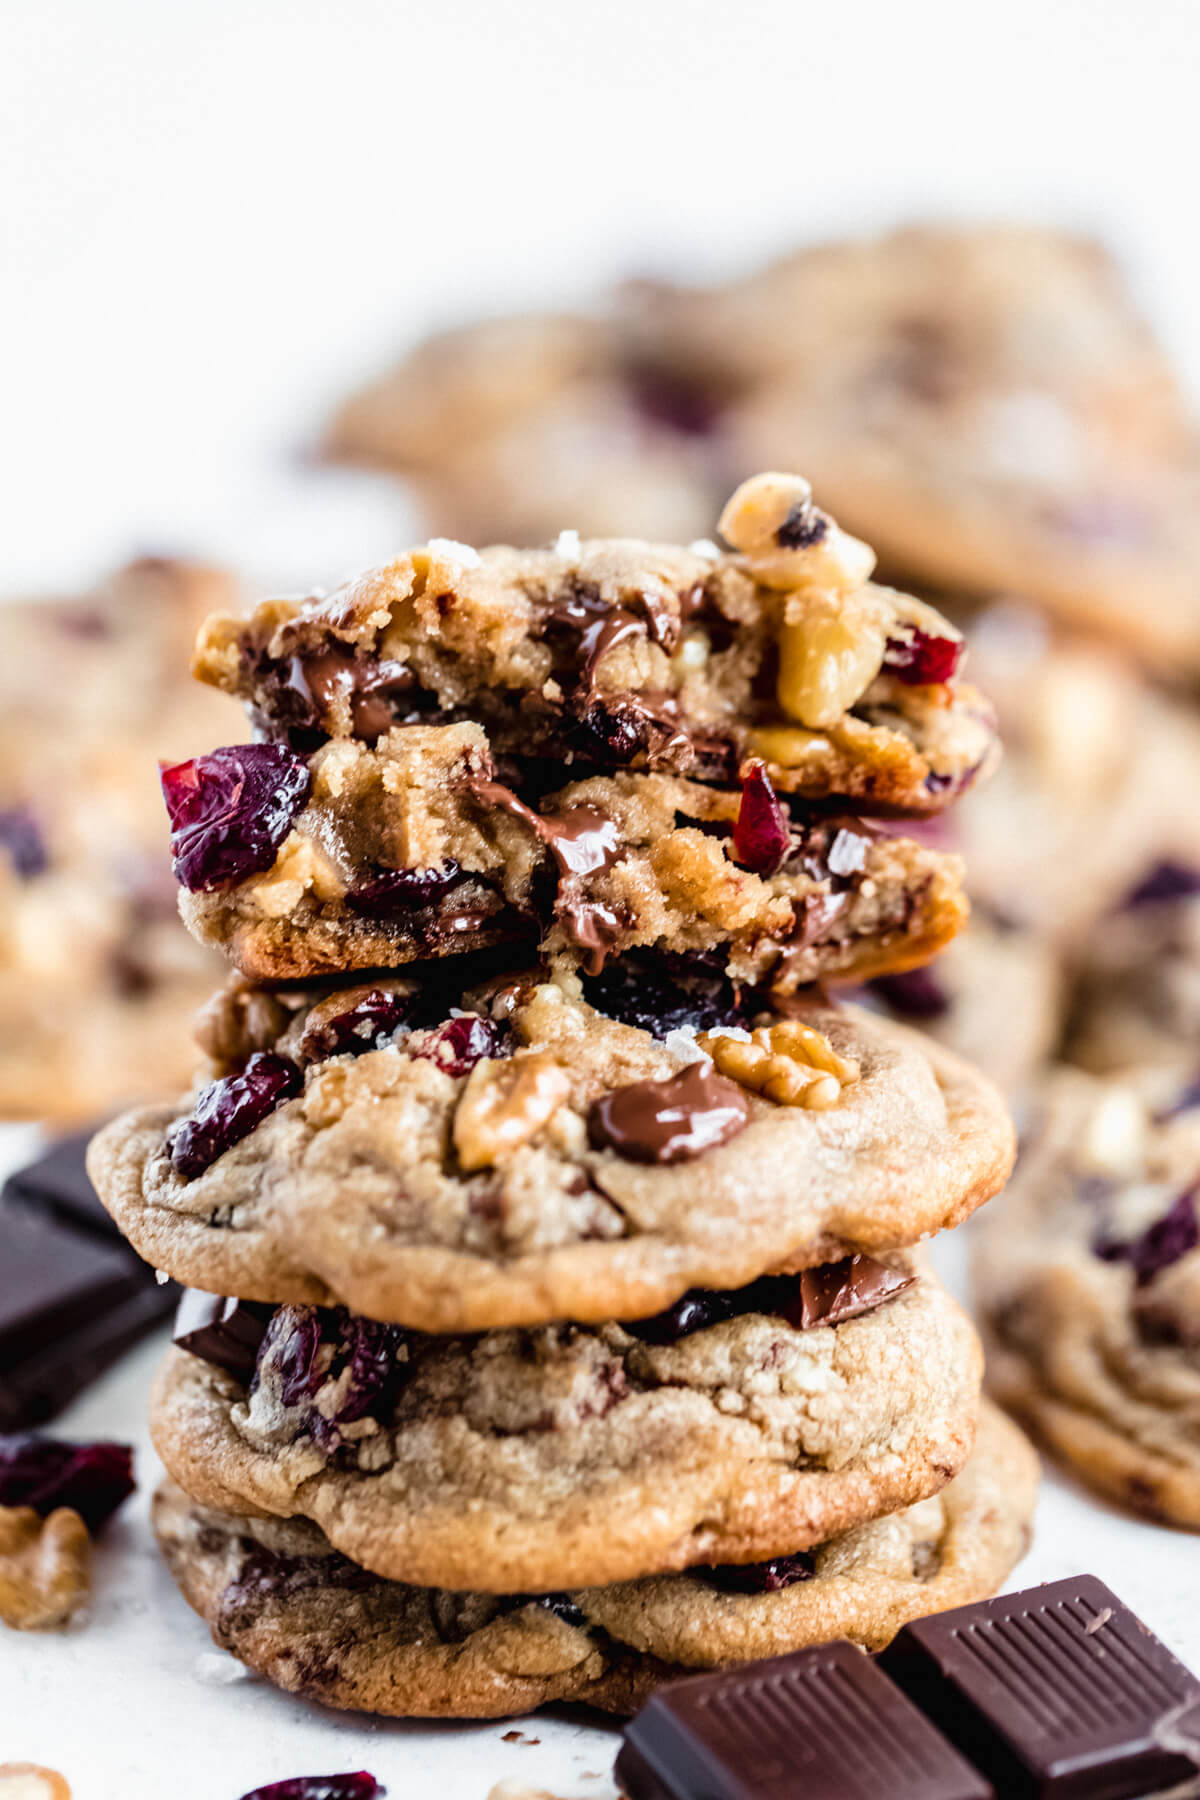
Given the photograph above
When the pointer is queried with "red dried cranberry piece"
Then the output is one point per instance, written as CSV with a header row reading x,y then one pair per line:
x,y
761,837
1160,1245
1165,881
915,994
923,659
460,1043
230,810
761,1578
304,1347
363,1026
392,891
228,1110
359,1786
22,842
46,1472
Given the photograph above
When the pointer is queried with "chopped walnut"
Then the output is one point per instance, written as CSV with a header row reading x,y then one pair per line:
x,y
791,544
29,1781
789,1063
831,648
504,1104
44,1566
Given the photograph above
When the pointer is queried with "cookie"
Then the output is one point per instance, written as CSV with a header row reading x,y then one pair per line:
x,y
1136,996
282,1600
984,404
97,977
413,847
1086,798
995,998
543,1161
628,655
526,1460
1088,1277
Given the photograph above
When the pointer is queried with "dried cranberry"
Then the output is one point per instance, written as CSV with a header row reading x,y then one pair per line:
x,y
1165,881
230,810
44,1472
803,527
660,994
915,994
22,842
761,837
228,1110
392,891
359,1786
364,1026
760,1578
679,399
305,1348
1160,1245
460,1043
924,658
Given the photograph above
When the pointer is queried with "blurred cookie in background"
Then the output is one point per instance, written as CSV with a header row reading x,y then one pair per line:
x,y
994,997
1137,990
1088,794
98,978
985,405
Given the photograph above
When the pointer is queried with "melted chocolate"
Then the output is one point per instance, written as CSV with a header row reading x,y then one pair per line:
x,y
582,841
672,1120
301,692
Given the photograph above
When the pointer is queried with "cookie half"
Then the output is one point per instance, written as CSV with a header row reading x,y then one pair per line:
x,y
413,847
525,1460
1088,1277
617,654
282,1600
536,1160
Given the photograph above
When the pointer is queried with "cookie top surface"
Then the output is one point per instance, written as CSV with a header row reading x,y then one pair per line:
x,y
520,1461
1088,1276
985,405
551,1182
413,847
624,654
279,1597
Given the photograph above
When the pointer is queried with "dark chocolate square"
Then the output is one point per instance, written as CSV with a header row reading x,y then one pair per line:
x,y
1058,1691
824,1724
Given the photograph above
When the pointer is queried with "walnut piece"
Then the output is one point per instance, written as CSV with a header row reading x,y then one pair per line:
x,y
44,1566
789,1063
831,648
504,1104
29,1781
789,543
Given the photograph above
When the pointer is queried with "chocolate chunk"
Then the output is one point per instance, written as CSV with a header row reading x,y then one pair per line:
x,y
1165,881
1058,1691
824,1724
761,1577
227,1333
822,1296
1160,1245
70,1304
671,1120
58,1183
844,1290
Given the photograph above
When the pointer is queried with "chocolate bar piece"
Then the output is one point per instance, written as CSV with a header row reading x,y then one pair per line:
x,y
1060,1691
58,1183
225,1332
824,1724
73,1296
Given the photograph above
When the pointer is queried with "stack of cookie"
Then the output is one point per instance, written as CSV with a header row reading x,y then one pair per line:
x,y
560,1325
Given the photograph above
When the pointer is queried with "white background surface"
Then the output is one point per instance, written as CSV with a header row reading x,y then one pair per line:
x,y
213,216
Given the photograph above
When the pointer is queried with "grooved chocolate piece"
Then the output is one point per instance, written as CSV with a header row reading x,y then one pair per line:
x,y
73,1296
227,1333
823,1724
1057,1692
